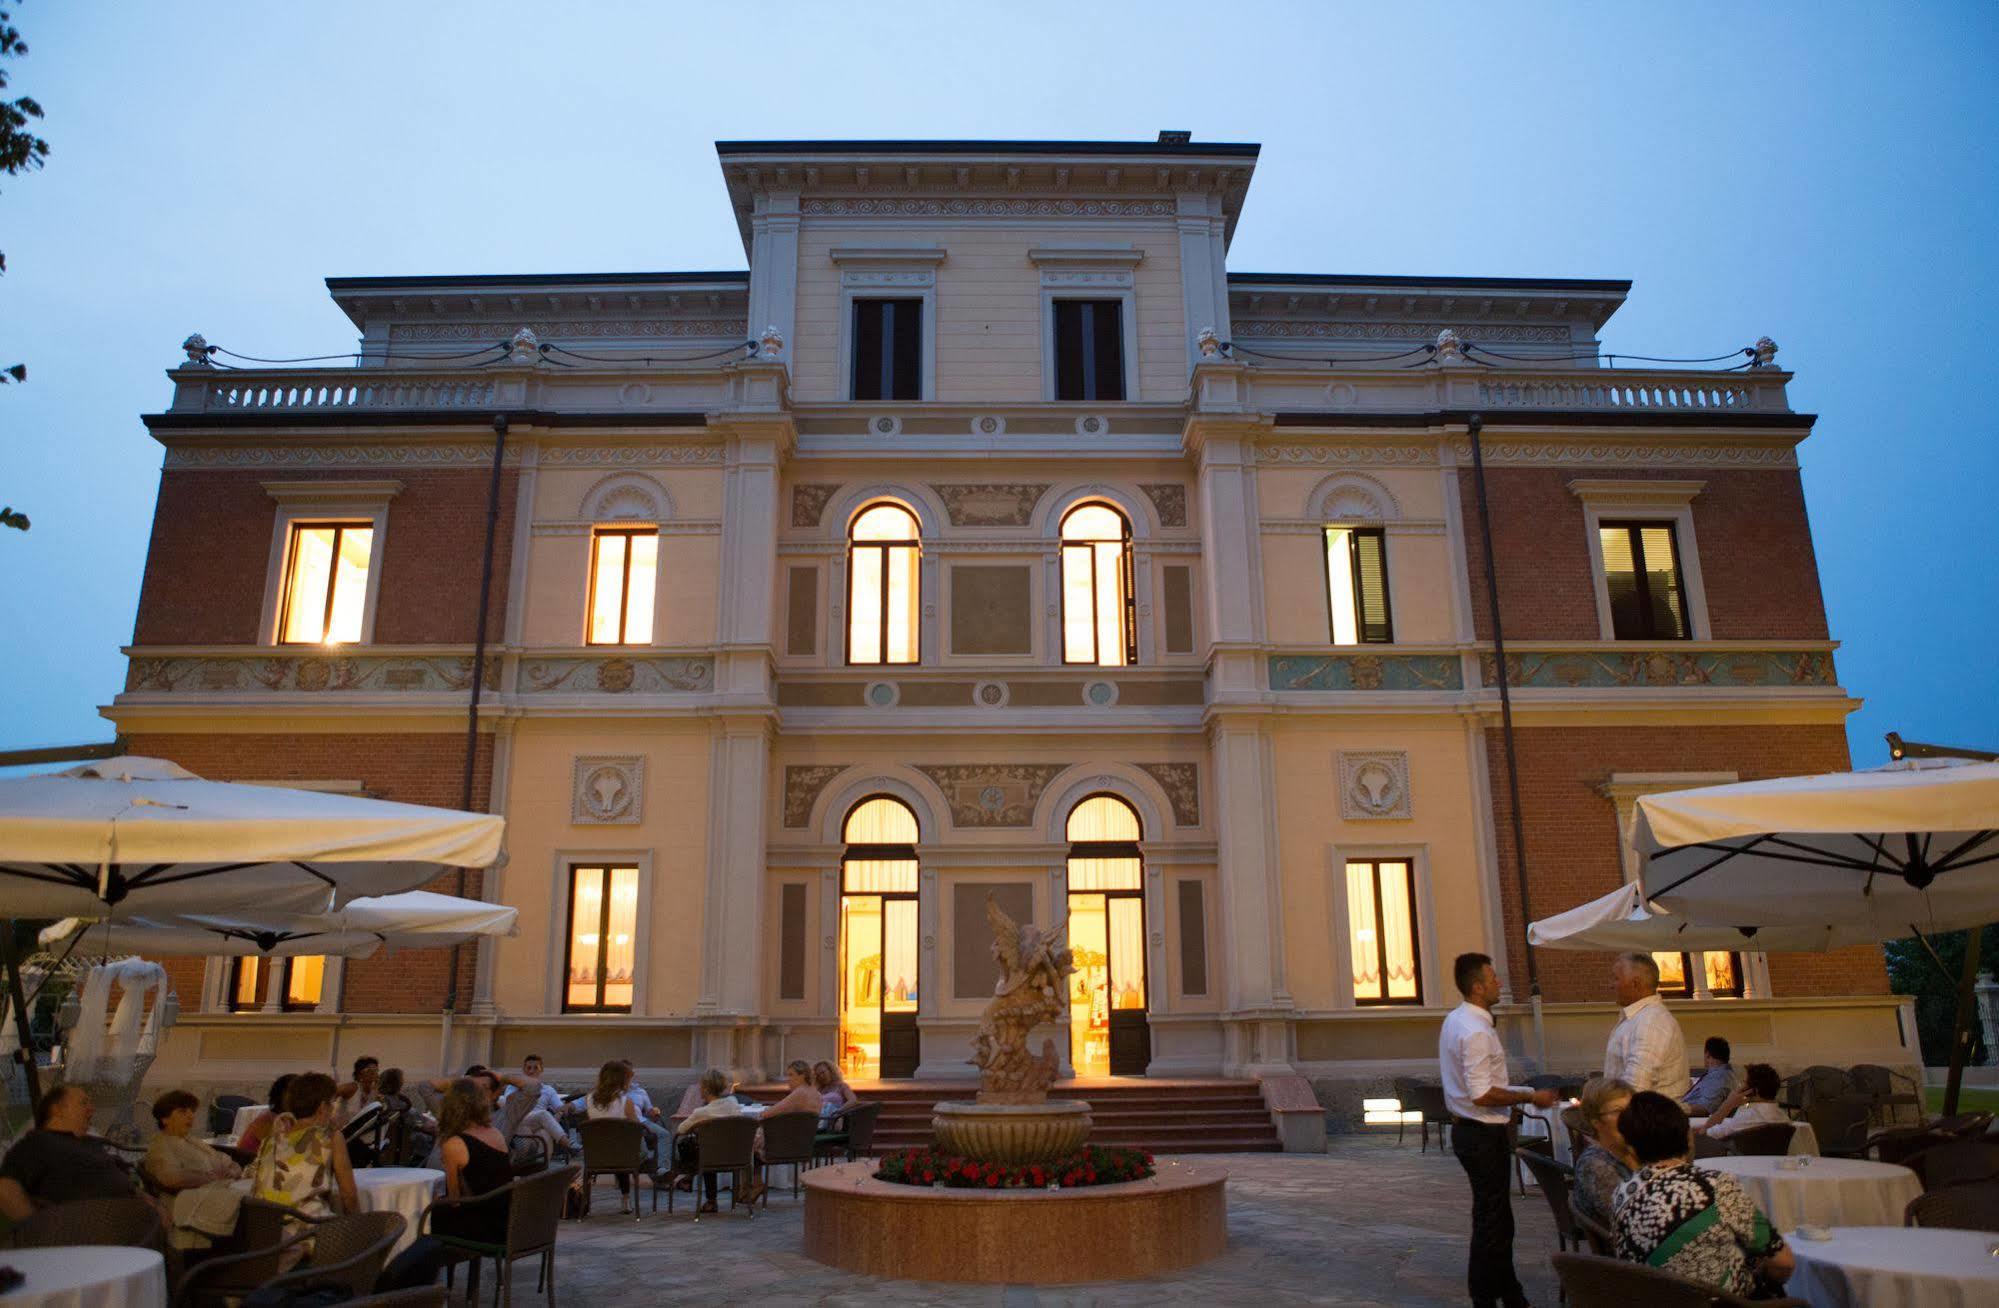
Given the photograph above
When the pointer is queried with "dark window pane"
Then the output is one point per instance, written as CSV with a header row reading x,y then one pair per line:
x,y
1662,582
791,942
869,328
1642,577
1620,576
905,350
1069,379
1370,551
1107,349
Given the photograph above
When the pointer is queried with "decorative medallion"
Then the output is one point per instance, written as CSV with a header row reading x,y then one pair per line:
x,y
989,424
1092,424
1182,784
991,794
1374,784
882,694
607,791
802,785
1170,499
989,505
990,694
808,502
1099,694
885,425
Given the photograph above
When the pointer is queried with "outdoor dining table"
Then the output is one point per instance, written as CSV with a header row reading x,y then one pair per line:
x,y
1804,1140
405,1190
1896,1267
86,1276
1794,1191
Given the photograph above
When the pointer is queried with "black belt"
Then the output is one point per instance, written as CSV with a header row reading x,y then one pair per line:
x,y
1473,1121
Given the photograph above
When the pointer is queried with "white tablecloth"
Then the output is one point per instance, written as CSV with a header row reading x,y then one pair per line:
x,y
1896,1267
1823,1191
405,1190
244,1116
1804,1140
1538,1122
85,1276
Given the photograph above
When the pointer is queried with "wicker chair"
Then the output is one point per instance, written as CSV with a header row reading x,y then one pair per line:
x,y
1592,1282
222,1113
722,1144
1901,1146
613,1146
1769,1140
854,1133
1573,1123
1889,1090
1955,1162
1555,1177
127,1220
534,1215
423,1296
1602,1240
1840,1124
348,1251
788,1142
260,1229
1965,1126
1973,1206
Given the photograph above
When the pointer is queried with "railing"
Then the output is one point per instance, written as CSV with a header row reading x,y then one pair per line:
x,y
1308,385
1606,389
280,394
343,389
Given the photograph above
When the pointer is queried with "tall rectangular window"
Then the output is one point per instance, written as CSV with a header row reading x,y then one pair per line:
x,y
1722,972
305,980
326,583
888,350
603,939
243,979
624,567
1641,571
1381,930
1089,349
1357,585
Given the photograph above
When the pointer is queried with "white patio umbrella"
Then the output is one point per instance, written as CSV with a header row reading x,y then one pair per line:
x,y
181,938
1622,921
148,837
416,919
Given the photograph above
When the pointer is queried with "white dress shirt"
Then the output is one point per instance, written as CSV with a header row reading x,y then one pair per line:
x,y
1756,1112
1472,1062
1647,1050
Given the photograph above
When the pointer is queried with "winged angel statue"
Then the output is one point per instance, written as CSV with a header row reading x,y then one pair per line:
x,y
1033,989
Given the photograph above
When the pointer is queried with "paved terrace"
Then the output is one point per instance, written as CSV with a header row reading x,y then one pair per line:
x,y
1370,1222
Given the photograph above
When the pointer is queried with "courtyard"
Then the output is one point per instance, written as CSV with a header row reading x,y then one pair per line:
x,y
1368,1222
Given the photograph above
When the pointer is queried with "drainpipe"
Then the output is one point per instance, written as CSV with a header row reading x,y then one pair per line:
x,y
1477,422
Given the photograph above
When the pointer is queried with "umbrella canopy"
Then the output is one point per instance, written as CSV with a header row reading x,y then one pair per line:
x,y
1622,921
148,837
179,937
417,919
1884,853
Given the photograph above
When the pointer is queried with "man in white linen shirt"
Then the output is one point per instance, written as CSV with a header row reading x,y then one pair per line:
x,y
1473,1064
1647,1050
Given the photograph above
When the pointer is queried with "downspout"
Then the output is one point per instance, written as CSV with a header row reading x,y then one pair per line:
x,y
1506,729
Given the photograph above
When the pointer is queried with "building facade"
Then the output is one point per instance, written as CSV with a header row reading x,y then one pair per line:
x,y
1026,554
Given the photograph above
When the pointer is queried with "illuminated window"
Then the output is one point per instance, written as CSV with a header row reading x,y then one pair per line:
x,y
1107,994
1381,929
879,968
603,939
243,980
305,977
624,564
884,586
1097,618
1357,585
1723,973
326,583
1641,572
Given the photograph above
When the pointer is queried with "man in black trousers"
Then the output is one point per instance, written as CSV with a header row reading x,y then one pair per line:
x,y
1473,1063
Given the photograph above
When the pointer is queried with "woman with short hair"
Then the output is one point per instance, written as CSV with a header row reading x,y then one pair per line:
x,y
303,1163
174,1159
1608,1161
1753,1104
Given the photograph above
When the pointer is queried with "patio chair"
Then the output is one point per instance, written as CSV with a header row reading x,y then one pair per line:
x,y
1840,1122
423,1296
1766,1141
260,1229
788,1142
1602,1240
1572,1121
1592,1282
1429,1101
527,1154
1955,1162
613,1146
853,1133
1539,1143
127,1220
1965,1126
1901,1146
1823,1082
1887,1088
534,1215
222,1113
1973,1206
723,1145
348,1253
1555,1178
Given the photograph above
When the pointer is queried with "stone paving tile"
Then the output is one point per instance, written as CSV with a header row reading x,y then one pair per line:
x,y
1369,1222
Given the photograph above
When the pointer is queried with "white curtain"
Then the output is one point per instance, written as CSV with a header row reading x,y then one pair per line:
x,y
98,1052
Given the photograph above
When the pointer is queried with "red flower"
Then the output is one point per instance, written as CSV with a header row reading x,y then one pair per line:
x,y
993,1179
929,1177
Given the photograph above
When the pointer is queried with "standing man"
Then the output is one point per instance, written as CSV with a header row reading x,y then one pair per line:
x,y
1473,1063
1646,1050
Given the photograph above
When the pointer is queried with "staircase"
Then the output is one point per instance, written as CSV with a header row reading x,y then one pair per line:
x,y
1164,1117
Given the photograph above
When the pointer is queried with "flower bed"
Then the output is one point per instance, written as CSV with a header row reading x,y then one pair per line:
x,y
1094,1165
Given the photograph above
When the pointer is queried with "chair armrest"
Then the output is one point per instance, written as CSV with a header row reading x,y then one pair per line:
x,y
206,1268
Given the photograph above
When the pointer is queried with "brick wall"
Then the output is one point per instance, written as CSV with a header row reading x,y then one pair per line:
x,y
1755,545
414,769
211,543
1572,836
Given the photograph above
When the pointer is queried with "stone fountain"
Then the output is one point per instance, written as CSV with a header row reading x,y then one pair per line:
x,y
1013,1120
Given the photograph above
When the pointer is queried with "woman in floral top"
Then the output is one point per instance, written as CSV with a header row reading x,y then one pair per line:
x,y
1699,1225
300,1165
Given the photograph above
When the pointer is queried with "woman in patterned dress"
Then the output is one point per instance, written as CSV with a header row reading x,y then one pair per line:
x,y
1699,1225
303,1163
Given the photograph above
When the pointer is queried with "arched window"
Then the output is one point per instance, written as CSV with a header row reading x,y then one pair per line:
x,y
884,586
1097,617
878,955
1108,1034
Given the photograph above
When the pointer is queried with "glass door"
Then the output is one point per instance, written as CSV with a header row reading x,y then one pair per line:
x,y
1109,1033
878,943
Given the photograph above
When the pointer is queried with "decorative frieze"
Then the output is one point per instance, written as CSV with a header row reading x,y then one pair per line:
x,y
1366,672
1405,456
1604,453
1182,784
1584,669
992,794
802,785
1298,329
886,207
459,333
309,674
809,501
608,790
628,456
990,505
1374,784
618,675
403,455
1170,500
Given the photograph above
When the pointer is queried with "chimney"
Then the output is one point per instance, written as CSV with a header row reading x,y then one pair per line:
x,y
1175,138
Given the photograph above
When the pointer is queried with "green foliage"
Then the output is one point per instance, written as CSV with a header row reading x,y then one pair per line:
x,y
1095,1165
1911,972
20,151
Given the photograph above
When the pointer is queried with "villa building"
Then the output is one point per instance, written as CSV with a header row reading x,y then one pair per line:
x,y
990,538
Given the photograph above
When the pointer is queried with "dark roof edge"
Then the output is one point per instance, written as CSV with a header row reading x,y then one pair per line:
x,y
533,279
1543,418
1232,149
1614,286
470,417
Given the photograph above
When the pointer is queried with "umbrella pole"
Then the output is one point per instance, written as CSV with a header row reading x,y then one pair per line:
x,y
1962,1021
12,963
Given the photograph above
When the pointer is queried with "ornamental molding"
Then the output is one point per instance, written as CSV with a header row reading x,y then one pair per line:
x,y
1352,497
1395,672
617,675
861,279
864,207
318,491
230,457
1065,279
629,456
1645,493
584,526
1584,669
1169,500
1009,504
499,330
809,501
992,794
1085,256
626,496
607,790
1404,456
1426,332
802,787
1182,784
1374,785
307,674
889,254
1545,453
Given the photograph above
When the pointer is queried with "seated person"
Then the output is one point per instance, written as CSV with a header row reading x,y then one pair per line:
x,y
356,1096
801,1096
301,1163
175,1160
260,1125
1716,1082
57,1161
716,1101
657,1136
835,1095
1755,1104
1677,1218
476,1162
1608,1162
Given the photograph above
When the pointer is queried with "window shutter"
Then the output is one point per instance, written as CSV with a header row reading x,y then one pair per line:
x,y
1620,576
1662,581
868,332
1370,550
905,349
1069,383
1107,353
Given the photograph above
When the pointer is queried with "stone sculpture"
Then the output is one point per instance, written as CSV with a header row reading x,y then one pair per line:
x,y
1032,989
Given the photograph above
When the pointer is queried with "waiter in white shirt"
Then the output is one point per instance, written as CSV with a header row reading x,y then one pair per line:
x,y
1646,1049
1473,1063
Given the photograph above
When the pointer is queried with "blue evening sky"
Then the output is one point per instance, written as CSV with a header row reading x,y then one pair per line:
x,y
1820,173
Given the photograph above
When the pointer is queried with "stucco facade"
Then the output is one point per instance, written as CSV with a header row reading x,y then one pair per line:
x,y
710,770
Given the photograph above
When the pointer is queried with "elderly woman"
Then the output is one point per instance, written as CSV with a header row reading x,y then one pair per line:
x,y
716,1101
1608,1162
175,1160
301,1164
1697,1224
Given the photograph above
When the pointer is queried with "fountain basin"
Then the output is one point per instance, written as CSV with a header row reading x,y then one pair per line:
x,y
1011,1133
